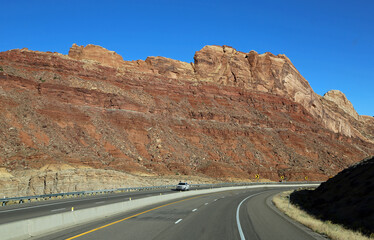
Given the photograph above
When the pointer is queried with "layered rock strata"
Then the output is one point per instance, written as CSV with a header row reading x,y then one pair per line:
x,y
227,115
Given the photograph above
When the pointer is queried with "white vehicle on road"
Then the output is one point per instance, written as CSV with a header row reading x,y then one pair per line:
x,y
183,186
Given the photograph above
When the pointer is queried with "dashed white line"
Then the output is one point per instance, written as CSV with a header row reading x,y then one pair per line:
x,y
178,221
194,210
60,209
215,199
206,203
99,202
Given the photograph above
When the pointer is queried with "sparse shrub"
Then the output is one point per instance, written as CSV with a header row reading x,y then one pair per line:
x,y
41,79
1,69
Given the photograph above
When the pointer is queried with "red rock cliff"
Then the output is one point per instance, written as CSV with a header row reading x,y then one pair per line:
x,y
229,114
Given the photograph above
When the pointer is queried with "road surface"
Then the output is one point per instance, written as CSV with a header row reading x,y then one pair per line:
x,y
236,214
24,211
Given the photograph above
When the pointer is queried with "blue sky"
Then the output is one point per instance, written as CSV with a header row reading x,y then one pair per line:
x,y
330,42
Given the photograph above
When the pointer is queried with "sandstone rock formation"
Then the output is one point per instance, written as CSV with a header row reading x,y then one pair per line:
x,y
96,53
341,100
56,178
227,115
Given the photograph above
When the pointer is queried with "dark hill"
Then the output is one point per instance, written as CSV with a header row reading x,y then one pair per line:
x,y
347,198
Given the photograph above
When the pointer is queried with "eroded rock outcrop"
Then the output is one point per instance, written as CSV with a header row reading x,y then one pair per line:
x,y
170,68
228,115
341,100
56,178
96,53
266,73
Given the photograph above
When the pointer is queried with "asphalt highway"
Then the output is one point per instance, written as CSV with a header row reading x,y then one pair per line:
x,y
236,214
24,211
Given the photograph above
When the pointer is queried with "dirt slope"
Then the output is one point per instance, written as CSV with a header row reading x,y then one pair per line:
x,y
347,198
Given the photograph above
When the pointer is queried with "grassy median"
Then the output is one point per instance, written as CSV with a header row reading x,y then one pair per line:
x,y
333,231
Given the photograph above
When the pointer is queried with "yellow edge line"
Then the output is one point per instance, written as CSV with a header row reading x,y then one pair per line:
x,y
112,223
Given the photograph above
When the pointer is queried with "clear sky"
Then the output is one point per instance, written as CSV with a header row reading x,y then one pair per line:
x,y
330,42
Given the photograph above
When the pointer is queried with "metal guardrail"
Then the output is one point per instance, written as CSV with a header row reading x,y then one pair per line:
x,y
21,200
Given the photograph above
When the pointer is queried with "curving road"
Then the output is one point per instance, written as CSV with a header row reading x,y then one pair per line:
x,y
237,214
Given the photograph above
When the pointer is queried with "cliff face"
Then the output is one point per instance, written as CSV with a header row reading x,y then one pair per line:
x,y
229,114
96,53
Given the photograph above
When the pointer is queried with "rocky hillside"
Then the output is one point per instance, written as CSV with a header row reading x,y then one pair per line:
x,y
227,115
345,199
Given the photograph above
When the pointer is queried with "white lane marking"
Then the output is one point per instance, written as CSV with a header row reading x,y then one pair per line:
x,y
206,203
237,216
178,221
99,202
194,210
60,209
215,199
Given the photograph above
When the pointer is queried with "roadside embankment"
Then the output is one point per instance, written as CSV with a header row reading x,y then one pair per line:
x,y
346,199
327,228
